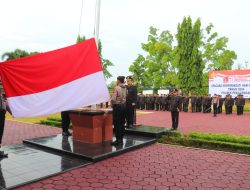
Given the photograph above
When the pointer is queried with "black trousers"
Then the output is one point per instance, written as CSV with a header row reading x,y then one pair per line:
x,y
175,119
239,110
215,109
2,122
130,114
220,109
185,107
193,108
65,120
198,108
157,106
119,112
227,109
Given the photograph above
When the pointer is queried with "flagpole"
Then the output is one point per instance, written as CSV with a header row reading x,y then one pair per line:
x,y
97,20
97,24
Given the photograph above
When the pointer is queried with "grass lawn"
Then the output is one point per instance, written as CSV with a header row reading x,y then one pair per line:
x,y
32,119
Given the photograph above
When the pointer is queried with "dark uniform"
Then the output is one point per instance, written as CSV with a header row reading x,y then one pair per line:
x,y
240,102
118,102
142,102
175,107
198,103
221,101
215,101
227,104
185,103
209,104
3,108
65,123
193,103
157,102
130,99
204,103
138,105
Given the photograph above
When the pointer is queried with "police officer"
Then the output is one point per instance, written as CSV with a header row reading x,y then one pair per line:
x,y
215,102
193,103
130,102
142,102
198,103
3,108
227,103
185,103
175,105
240,102
221,101
118,102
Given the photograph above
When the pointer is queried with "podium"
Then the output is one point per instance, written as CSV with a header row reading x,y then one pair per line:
x,y
92,126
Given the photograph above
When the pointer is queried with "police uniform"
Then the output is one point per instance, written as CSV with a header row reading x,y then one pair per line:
x,y
118,102
240,102
130,100
185,103
3,108
193,103
65,123
175,105
215,101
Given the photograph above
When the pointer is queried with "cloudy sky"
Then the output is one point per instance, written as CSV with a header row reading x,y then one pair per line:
x,y
43,25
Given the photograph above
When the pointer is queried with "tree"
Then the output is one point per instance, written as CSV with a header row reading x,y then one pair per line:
x,y
106,63
185,66
17,53
189,58
155,69
215,52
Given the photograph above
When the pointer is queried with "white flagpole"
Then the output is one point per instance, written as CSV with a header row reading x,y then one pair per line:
x,y
97,24
97,20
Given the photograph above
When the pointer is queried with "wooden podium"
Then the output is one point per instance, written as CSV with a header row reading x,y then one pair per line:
x,y
92,126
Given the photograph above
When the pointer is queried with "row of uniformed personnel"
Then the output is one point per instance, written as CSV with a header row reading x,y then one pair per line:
x,y
198,103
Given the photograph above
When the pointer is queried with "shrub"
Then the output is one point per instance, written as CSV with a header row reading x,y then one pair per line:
x,y
209,141
51,123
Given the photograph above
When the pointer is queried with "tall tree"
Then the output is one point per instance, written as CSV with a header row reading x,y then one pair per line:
x,y
215,52
17,53
189,58
155,69
106,63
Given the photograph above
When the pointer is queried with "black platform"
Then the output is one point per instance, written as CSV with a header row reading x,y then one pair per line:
x,y
43,157
147,131
91,152
25,165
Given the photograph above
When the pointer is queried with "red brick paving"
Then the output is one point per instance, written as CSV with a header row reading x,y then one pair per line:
x,y
157,166
16,132
200,122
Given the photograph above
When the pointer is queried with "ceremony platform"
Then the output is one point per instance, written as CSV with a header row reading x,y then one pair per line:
x,y
42,157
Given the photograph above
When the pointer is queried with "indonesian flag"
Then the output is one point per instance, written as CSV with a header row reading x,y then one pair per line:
x,y
55,81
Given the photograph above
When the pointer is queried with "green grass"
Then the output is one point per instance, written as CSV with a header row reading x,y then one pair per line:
x,y
32,119
223,142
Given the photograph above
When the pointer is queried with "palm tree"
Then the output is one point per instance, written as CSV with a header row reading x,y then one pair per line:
x,y
17,53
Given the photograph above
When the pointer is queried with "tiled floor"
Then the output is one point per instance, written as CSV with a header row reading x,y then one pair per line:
x,y
25,164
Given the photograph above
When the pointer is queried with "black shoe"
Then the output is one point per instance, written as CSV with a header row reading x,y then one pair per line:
x,y
3,155
117,143
66,133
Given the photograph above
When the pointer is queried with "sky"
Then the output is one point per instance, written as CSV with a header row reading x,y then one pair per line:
x,y
44,25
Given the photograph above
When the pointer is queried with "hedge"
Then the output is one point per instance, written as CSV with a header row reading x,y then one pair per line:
x,y
228,143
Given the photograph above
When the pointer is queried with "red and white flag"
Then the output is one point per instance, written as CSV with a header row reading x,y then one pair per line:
x,y
58,80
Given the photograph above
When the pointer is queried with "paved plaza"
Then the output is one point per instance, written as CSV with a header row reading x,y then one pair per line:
x,y
157,166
